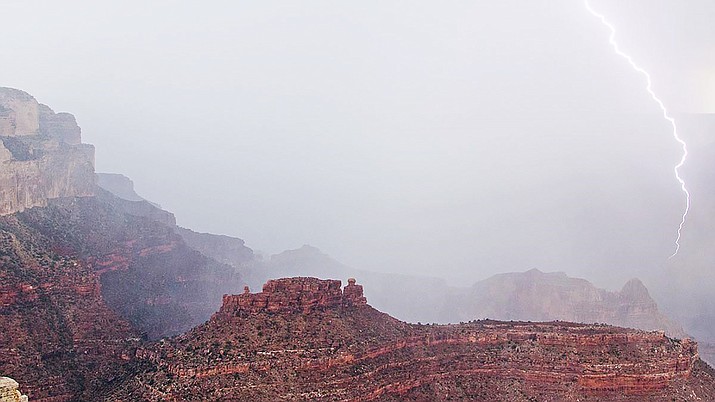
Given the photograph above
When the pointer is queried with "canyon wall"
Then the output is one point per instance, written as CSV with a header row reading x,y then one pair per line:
x,y
41,154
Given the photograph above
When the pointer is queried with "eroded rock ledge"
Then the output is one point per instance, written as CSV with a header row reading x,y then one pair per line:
x,y
294,295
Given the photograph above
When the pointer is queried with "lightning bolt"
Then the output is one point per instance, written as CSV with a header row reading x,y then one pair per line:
x,y
666,115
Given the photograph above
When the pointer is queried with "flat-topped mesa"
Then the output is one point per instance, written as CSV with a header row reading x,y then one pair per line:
x,y
294,295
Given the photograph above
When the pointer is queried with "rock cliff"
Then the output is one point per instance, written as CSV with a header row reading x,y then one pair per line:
x,y
294,295
306,339
41,155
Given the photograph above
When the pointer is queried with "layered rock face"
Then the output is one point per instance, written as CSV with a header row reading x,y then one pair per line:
x,y
41,155
82,283
226,249
146,272
294,295
305,339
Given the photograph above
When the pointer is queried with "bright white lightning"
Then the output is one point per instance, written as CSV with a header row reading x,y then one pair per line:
x,y
649,88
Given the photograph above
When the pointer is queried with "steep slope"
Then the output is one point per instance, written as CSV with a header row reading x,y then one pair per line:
x,y
58,336
306,339
147,273
82,282
224,249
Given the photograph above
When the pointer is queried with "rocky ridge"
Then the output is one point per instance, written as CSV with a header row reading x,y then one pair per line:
x,y
224,249
298,339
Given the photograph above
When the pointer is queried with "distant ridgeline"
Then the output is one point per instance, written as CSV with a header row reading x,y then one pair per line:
x,y
41,154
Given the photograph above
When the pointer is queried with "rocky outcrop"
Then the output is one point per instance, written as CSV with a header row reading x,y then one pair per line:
x,y
299,295
9,391
297,340
226,249
41,155
60,126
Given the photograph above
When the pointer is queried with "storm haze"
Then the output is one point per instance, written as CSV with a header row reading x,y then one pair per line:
x,y
451,139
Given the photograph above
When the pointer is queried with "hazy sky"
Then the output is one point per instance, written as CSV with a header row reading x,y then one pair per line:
x,y
452,138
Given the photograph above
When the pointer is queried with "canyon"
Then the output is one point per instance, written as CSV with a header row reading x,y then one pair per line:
x,y
104,297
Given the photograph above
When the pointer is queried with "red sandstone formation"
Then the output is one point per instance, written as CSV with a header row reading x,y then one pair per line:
x,y
301,295
306,339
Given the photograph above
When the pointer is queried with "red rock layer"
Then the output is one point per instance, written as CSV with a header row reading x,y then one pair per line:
x,y
56,334
298,339
294,295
